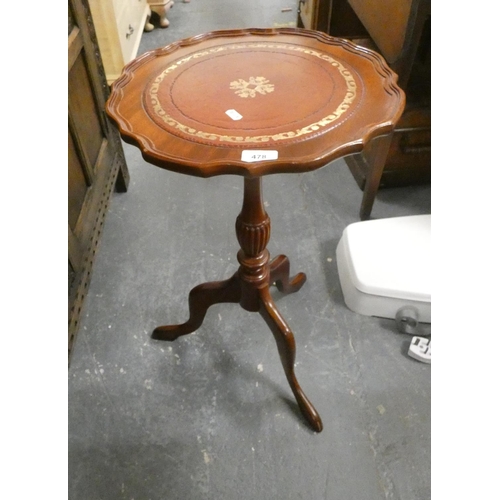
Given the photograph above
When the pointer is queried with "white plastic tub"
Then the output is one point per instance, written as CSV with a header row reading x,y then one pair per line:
x,y
385,265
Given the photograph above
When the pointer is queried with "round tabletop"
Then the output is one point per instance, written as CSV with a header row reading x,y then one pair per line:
x,y
254,102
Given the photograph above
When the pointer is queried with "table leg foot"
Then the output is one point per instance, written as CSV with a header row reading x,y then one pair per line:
x,y
200,299
286,347
280,274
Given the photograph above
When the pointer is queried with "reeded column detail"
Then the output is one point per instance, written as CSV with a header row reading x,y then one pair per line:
x,y
253,230
253,238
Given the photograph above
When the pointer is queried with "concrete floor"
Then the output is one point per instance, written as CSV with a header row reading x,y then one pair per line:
x,y
211,416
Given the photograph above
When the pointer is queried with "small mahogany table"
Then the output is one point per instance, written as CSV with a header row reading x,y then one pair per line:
x,y
255,102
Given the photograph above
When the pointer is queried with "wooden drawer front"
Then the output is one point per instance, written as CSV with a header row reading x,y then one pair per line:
x,y
409,158
130,24
121,7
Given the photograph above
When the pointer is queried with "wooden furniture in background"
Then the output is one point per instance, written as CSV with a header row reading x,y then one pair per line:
x,y
160,8
231,102
400,31
95,157
119,25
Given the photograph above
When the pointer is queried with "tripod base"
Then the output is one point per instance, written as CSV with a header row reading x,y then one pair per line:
x,y
236,290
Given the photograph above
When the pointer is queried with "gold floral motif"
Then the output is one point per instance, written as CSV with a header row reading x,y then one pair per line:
x,y
254,85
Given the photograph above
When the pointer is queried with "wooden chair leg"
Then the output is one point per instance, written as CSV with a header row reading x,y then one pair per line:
x,y
375,154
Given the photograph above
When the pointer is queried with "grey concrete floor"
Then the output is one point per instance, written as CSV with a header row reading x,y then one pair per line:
x,y
211,416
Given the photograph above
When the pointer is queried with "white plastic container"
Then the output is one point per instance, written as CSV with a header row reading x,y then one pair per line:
x,y
385,265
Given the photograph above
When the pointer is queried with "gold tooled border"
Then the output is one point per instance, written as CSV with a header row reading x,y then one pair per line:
x,y
313,127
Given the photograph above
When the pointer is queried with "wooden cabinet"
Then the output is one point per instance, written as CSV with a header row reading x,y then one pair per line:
x,y
119,25
400,31
96,163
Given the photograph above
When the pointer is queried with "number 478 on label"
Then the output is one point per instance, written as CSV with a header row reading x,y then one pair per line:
x,y
252,155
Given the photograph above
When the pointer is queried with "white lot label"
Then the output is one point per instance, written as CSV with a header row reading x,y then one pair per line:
x,y
233,114
251,155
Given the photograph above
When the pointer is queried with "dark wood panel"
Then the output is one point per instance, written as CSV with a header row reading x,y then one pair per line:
x,y
96,163
77,185
84,111
344,21
75,253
